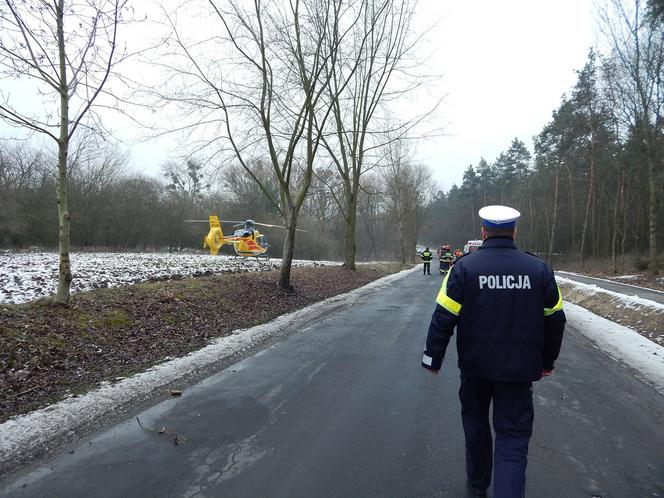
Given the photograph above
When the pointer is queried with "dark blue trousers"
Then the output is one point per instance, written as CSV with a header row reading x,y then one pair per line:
x,y
513,426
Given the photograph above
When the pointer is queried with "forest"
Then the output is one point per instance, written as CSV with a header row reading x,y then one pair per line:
x,y
303,137
592,188
116,208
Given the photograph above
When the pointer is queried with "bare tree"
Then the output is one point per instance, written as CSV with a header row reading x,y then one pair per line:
x,y
93,169
407,189
187,180
19,168
262,99
366,68
64,51
246,192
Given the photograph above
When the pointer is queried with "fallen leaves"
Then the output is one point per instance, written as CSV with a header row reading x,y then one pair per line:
x,y
65,355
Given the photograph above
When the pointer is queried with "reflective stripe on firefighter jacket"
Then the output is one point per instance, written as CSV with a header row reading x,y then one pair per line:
x,y
508,311
446,256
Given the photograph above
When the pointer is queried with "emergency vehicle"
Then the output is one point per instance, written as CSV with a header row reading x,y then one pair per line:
x,y
471,246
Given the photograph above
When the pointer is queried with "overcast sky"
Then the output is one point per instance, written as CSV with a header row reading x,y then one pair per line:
x,y
504,67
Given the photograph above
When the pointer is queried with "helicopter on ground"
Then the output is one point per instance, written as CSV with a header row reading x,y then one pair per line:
x,y
247,240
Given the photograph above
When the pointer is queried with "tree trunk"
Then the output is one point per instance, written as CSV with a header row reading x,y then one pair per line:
x,y
555,214
616,224
287,257
653,266
402,242
625,189
531,217
64,274
350,247
589,203
571,210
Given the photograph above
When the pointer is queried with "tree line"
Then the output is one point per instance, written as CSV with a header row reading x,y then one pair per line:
x,y
594,186
115,208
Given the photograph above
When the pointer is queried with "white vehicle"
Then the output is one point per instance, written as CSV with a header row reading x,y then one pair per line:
x,y
471,246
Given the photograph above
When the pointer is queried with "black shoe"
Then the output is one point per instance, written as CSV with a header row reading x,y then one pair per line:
x,y
481,493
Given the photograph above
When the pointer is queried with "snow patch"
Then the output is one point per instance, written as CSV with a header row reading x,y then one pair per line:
x,y
621,343
612,281
632,301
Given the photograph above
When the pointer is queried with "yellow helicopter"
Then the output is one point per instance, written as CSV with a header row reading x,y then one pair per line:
x,y
247,240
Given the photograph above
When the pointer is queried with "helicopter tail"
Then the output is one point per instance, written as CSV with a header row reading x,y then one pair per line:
x,y
215,237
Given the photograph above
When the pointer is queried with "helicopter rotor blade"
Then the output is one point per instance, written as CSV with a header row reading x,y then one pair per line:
x,y
244,223
241,223
276,226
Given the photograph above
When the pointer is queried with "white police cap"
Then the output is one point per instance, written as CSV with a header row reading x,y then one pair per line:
x,y
499,216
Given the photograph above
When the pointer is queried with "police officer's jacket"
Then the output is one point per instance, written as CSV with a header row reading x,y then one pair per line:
x,y
427,256
508,311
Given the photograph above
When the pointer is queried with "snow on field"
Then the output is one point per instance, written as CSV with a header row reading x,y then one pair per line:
x,y
25,276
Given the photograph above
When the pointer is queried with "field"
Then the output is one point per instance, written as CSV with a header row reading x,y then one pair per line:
x,y
25,276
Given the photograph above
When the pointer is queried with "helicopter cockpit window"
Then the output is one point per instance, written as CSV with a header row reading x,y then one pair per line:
x,y
262,241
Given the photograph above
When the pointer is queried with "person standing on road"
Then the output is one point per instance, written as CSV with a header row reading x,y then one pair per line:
x,y
508,311
445,259
427,256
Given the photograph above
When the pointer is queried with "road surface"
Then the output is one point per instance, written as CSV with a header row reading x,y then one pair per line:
x,y
344,409
628,289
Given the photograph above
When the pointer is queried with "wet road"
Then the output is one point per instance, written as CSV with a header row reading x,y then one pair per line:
x,y
343,409
630,290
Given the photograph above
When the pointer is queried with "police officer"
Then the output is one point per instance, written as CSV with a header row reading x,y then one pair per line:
x,y
508,311
427,256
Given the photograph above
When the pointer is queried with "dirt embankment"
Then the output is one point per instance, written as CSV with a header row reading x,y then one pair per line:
x,y
49,352
648,320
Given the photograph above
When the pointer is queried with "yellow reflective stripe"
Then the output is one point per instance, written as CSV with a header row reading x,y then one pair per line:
x,y
557,307
446,301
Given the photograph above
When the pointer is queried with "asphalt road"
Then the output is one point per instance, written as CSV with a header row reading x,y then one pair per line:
x,y
630,290
344,409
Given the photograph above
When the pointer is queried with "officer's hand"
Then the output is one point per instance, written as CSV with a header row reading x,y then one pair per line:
x,y
547,373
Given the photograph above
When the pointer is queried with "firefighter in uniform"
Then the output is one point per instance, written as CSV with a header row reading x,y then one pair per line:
x,y
445,259
508,311
427,256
